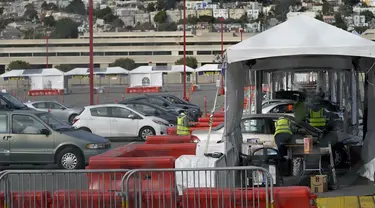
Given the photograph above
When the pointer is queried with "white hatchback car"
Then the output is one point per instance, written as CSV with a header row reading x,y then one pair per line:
x,y
117,120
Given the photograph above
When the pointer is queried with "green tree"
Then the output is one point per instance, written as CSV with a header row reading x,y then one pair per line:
x,y
44,5
360,30
105,14
1,10
65,67
150,7
351,3
327,8
190,62
126,63
282,8
49,6
65,28
368,15
76,7
19,64
30,13
205,18
339,22
160,17
49,21
168,26
117,23
161,5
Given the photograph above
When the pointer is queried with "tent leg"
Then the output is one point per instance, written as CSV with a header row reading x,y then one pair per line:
x,y
258,93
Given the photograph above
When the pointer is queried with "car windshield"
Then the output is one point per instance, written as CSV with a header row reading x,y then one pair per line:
x,y
53,122
13,100
175,100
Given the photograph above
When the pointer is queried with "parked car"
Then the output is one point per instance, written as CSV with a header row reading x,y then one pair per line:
x,y
285,107
154,110
33,137
159,100
118,120
57,109
8,101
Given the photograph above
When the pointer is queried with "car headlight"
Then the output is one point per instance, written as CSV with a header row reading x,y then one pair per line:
x,y
159,122
98,146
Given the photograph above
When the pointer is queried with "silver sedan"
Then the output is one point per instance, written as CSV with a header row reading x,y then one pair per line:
x,y
57,109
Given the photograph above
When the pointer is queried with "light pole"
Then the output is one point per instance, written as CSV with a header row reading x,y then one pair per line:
x,y
91,27
241,31
222,91
47,37
185,98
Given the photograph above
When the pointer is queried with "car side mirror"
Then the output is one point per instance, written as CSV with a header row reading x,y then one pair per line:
x,y
131,116
45,132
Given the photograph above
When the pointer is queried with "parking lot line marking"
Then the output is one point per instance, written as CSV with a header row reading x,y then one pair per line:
x,y
366,202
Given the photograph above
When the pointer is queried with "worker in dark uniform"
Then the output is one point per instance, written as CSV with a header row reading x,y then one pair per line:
x,y
300,110
183,126
317,116
283,135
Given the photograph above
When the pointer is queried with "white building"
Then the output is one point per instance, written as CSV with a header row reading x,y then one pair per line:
x,y
252,14
197,4
294,14
221,13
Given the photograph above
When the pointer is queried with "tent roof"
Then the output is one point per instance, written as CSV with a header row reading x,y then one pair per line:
x,y
209,67
33,72
301,35
165,69
86,71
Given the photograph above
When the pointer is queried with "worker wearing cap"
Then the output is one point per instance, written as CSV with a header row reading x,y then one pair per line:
x,y
183,127
316,115
283,135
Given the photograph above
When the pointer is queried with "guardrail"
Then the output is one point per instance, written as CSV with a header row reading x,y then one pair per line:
x,y
157,188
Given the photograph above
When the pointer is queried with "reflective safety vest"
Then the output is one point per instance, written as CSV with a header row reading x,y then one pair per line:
x,y
317,118
182,127
282,126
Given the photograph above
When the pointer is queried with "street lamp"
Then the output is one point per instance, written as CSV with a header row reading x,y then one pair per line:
x,y
222,92
185,98
91,66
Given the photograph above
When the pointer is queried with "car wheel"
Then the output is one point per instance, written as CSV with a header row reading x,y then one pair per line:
x,y
70,159
85,129
71,118
340,156
146,131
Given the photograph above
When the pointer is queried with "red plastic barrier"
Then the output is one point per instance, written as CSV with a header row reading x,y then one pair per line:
x,y
131,162
169,139
207,119
173,130
88,199
143,89
217,114
160,199
207,125
33,199
284,197
45,92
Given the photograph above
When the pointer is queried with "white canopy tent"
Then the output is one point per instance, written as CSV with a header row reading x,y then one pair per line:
x,y
209,68
40,79
97,71
299,44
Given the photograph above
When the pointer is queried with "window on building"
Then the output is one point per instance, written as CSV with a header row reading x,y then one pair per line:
x,y
69,54
116,53
140,53
187,53
204,53
95,54
20,54
162,53
44,54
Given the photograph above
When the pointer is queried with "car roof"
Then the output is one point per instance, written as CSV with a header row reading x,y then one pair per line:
x,y
30,111
105,105
42,101
142,103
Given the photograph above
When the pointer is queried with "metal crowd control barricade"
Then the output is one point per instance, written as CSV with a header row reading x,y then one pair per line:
x,y
60,188
220,187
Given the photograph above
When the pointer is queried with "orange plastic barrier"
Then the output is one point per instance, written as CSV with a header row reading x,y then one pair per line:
x,y
169,139
87,199
207,119
155,150
217,114
35,199
284,197
143,89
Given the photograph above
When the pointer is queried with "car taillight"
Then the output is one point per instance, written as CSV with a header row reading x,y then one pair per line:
x,y
75,120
